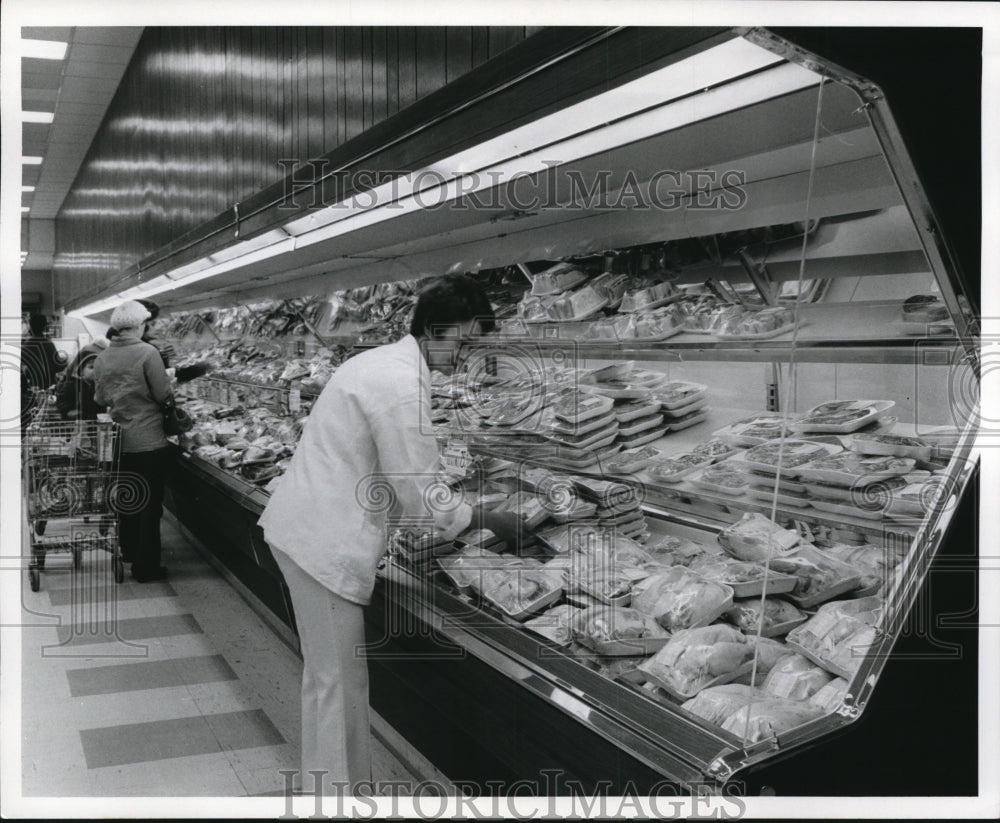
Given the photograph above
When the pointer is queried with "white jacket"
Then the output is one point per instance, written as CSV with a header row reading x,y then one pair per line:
x,y
366,458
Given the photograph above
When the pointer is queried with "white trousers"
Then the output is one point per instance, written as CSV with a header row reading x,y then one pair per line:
x,y
336,736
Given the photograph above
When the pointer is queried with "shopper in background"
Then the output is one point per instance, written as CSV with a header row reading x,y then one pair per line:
x,y
41,362
75,392
165,349
132,381
370,427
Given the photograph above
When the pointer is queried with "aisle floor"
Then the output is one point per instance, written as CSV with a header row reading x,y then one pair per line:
x,y
173,688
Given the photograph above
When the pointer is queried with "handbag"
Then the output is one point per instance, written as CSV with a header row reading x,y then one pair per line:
x,y
175,419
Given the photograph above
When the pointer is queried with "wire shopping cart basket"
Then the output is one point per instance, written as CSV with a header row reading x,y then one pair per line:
x,y
70,469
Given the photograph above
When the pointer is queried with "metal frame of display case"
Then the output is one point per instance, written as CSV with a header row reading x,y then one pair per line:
x,y
670,742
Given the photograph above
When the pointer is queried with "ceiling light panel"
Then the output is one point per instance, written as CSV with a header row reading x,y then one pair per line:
x,y
43,49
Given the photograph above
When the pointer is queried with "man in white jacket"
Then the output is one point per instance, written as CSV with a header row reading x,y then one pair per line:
x,y
367,454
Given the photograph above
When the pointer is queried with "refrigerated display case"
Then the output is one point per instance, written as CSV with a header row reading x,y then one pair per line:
x,y
798,199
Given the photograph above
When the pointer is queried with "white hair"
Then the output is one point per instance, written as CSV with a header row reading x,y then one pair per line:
x,y
129,315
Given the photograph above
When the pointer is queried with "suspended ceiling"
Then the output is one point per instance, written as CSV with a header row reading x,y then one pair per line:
x,y
78,90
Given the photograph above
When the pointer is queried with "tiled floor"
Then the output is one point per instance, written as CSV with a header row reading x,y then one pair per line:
x,y
165,689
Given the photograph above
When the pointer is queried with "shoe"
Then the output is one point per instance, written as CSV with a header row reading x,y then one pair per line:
x,y
149,576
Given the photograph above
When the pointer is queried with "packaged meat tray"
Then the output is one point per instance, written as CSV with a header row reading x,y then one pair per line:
x,y
630,461
716,703
466,566
607,492
755,538
561,428
842,416
839,635
614,371
668,550
917,498
519,593
700,403
746,579
618,390
554,624
891,445
678,598
650,297
679,393
676,467
757,325
877,495
765,481
557,279
642,424
645,437
779,616
846,510
821,576
590,440
611,286
850,469
613,631
796,677
766,494
652,328
649,379
578,305
767,651
753,430
696,659
715,448
831,696
766,719
686,422
873,563
628,410
791,454
723,478
614,329
576,408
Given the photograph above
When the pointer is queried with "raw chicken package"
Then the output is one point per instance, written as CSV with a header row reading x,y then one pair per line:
x,y
680,599
618,631
694,659
756,538
768,718
717,703
796,677
839,635
779,616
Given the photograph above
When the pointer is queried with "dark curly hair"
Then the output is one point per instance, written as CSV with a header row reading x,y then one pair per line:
x,y
451,299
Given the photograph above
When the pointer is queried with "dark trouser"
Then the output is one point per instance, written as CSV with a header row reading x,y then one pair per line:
x,y
140,505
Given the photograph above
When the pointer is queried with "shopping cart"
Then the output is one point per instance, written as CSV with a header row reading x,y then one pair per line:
x,y
70,472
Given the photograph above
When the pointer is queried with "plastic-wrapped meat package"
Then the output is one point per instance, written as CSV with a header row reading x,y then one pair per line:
x,y
821,576
554,623
756,538
716,703
695,658
769,718
618,631
831,695
679,599
519,591
746,615
839,635
796,677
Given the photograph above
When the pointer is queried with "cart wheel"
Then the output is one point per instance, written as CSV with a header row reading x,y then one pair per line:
x,y
103,528
77,558
40,527
119,570
35,579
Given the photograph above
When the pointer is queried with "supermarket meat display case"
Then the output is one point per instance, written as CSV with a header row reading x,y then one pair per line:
x,y
823,224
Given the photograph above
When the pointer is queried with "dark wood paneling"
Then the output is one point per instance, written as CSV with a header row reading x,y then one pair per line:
x,y
204,114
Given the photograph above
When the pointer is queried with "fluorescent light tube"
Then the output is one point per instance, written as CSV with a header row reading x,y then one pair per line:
x,y
31,160
43,49
27,188
37,116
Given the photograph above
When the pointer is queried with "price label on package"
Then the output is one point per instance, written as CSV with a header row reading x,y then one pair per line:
x,y
294,400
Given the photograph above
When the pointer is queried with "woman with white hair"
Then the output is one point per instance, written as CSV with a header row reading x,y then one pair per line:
x,y
132,381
